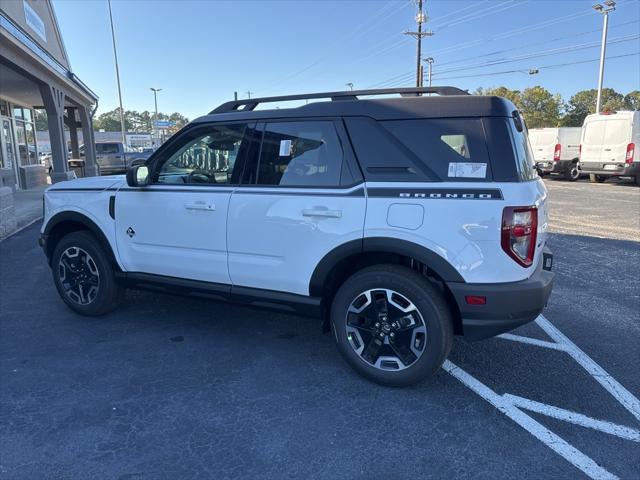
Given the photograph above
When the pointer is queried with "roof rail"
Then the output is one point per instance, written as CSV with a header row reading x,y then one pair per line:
x,y
251,103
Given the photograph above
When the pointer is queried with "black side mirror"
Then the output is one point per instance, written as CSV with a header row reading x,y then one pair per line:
x,y
138,176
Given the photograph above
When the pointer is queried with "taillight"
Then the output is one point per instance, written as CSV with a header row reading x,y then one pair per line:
x,y
556,153
519,233
631,148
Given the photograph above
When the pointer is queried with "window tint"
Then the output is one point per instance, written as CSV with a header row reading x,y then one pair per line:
x,y
443,145
106,148
300,154
208,156
524,156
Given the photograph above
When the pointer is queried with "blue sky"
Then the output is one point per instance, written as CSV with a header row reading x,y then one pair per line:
x,y
200,52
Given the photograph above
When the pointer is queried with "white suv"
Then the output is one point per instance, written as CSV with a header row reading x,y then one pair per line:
x,y
398,221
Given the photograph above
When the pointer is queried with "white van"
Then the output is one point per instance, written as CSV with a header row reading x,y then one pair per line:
x,y
556,151
608,145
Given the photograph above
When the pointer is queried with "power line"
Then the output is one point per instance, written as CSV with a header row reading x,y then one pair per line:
x,y
557,65
401,79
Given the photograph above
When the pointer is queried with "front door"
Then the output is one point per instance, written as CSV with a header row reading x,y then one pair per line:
x,y
176,226
301,201
9,159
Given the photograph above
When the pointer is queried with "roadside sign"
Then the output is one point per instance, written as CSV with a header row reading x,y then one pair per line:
x,y
164,123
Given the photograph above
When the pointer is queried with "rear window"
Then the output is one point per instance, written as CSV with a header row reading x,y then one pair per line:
x,y
106,148
453,148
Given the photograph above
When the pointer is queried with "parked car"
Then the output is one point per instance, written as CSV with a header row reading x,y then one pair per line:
x,y
557,151
114,157
608,145
398,221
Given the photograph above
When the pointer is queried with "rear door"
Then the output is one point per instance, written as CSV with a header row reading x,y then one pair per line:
x,y
301,200
109,157
543,143
617,135
592,144
570,142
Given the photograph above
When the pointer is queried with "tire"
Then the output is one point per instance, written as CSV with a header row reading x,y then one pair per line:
x,y
637,180
593,178
84,275
573,172
390,346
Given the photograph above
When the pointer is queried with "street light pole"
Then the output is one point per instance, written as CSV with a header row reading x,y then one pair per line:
x,y
350,85
115,56
609,6
430,61
155,123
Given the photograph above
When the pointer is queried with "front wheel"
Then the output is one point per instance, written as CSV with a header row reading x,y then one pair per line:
x,y
84,275
392,325
593,178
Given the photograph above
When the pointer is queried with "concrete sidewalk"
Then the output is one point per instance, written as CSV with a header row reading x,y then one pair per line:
x,y
19,209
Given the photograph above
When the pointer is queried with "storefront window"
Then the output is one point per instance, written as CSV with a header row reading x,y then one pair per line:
x,y
4,108
31,143
17,113
23,155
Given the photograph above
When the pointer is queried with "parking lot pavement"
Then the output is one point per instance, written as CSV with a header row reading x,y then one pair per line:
x,y
606,210
171,387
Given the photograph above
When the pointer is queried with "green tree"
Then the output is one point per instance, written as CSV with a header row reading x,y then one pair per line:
x,y
42,124
110,121
584,102
514,95
632,100
540,107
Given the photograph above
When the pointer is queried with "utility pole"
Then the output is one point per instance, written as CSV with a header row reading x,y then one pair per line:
x,y
155,122
609,6
430,61
249,93
115,56
235,96
421,18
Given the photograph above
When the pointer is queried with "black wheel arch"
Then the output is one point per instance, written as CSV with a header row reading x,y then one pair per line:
x,y
350,257
64,223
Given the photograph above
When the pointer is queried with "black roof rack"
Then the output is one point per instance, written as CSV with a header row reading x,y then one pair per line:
x,y
251,103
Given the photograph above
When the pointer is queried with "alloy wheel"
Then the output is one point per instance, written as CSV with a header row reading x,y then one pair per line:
x,y
78,274
385,329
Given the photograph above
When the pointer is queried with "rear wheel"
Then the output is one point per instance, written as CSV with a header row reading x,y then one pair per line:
x,y
392,325
572,173
84,275
593,178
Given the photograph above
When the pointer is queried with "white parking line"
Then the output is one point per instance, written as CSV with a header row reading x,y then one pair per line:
x,y
546,436
621,394
574,417
512,405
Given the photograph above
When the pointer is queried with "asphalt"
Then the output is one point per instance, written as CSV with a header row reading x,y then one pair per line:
x,y
170,387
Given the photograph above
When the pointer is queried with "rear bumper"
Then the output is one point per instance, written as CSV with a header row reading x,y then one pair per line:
x,y
621,170
508,305
560,166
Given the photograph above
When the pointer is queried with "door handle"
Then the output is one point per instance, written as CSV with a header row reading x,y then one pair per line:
x,y
607,149
322,212
207,207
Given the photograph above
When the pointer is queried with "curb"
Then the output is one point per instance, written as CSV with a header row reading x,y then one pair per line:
x,y
22,228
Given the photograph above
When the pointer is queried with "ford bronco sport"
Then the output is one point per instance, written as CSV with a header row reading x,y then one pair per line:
x,y
399,221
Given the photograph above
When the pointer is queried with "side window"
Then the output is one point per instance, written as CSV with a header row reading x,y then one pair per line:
x,y
455,149
300,154
207,156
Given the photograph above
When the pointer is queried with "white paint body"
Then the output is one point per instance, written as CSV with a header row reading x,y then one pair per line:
x,y
605,137
544,140
273,238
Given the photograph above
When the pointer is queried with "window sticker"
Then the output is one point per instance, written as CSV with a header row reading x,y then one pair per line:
x,y
285,148
467,170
